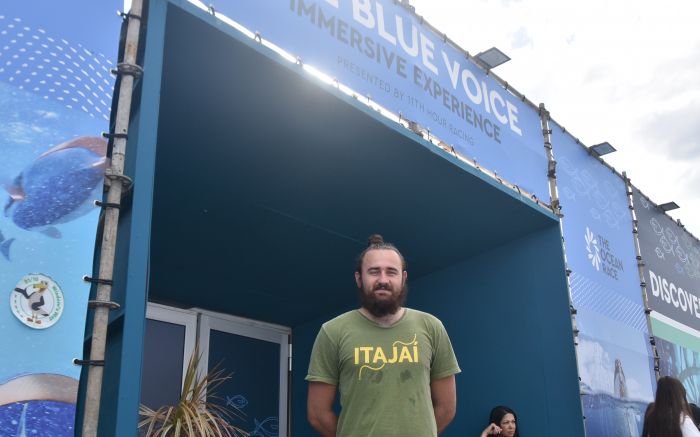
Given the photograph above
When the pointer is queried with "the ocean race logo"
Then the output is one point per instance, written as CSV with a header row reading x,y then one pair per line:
x,y
37,301
600,254
592,248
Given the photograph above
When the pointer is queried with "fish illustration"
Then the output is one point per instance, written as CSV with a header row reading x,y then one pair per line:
x,y
680,253
656,226
645,202
5,246
672,237
267,428
668,248
236,401
57,186
659,253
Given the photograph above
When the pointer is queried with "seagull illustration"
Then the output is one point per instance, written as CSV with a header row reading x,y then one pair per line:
x,y
35,299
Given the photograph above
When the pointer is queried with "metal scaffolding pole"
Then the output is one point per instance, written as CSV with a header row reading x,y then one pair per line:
x,y
128,71
640,266
556,208
551,163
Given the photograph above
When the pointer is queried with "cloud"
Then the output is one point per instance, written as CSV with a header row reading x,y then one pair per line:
x,y
674,133
672,75
521,38
691,179
685,190
507,3
597,73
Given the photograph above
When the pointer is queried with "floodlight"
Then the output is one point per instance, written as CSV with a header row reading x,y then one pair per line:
x,y
669,206
602,149
492,58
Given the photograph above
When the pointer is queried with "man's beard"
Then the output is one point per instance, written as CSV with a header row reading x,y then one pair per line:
x,y
380,307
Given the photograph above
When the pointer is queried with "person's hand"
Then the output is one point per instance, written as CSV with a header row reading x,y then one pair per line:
x,y
492,429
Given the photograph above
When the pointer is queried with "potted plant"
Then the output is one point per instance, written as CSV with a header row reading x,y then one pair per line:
x,y
194,414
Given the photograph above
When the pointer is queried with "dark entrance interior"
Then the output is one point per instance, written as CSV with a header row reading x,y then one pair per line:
x,y
257,187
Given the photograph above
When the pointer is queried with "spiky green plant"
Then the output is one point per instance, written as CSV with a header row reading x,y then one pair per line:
x,y
193,415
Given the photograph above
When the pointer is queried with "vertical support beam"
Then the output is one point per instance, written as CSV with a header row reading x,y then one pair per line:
x,y
640,266
556,208
109,236
135,260
551,163
555,203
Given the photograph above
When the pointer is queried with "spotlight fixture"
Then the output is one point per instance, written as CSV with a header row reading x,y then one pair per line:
x,y
602,149
668,206
492,58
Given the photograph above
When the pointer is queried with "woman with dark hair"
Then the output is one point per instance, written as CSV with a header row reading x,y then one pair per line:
x,y
669,415
502,422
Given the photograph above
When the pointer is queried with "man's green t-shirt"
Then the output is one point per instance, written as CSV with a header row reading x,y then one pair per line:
x,y
383,373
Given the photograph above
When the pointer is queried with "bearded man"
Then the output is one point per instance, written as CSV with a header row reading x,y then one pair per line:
x,y
393,366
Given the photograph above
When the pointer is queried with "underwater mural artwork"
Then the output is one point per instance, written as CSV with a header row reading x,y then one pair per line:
x,y
55,100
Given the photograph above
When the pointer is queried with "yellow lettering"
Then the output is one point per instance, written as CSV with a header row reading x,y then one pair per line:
x,y
415,352
366,350
357,355
405,353
379,355
394,357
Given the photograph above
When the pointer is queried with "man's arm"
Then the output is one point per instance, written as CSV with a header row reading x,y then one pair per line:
x,y
319,408
444,394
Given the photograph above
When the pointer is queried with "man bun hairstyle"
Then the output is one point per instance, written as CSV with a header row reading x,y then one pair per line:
x,y
376,242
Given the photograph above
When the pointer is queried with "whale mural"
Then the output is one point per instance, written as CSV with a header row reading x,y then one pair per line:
x,y
57,186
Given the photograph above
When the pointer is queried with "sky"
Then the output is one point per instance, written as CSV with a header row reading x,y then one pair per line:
x,y
626,72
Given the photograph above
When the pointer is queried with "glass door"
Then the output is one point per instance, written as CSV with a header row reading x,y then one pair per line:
x,y
170,337
256,355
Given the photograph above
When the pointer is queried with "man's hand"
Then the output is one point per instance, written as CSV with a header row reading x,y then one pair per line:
x,y
444,394
319,408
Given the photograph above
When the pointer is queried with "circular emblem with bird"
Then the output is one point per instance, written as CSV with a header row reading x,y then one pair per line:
x,y
37,301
